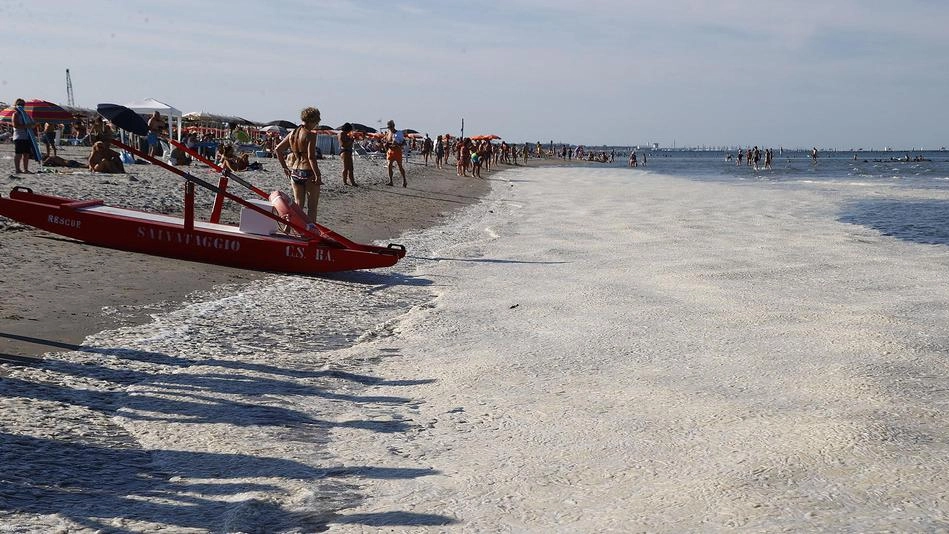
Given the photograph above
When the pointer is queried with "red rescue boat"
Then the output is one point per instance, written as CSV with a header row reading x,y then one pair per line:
x,y
162,235
264,240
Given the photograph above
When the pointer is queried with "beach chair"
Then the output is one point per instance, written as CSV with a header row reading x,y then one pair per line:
x,y
365,154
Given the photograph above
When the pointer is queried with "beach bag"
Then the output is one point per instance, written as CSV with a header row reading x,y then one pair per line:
x,y
127,158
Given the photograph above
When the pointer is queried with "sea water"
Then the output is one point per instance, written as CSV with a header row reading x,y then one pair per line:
x,y
899,193
797,166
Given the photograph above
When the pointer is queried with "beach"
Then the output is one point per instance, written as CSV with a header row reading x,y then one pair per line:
x,y
564,349
54,289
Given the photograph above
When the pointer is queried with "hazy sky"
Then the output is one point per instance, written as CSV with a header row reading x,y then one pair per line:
x,y
776,73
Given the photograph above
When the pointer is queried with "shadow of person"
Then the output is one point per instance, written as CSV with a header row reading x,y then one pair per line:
x,y
94,486
116,488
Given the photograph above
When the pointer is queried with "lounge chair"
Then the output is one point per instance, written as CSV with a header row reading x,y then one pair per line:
x,y
371,156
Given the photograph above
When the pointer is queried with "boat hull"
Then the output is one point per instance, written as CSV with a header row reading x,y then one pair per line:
x,y
93,222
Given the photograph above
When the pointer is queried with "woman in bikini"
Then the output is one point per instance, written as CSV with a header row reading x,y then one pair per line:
x,y
302,169
346,153
464,156
232,161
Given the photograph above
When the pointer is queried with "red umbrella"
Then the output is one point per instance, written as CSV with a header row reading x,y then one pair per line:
x,y
40,111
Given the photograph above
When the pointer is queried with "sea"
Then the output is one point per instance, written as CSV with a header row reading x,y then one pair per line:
x,y
917,169
899,193
262,375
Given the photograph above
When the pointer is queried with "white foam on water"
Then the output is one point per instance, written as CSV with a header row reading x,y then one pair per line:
x,y
637,352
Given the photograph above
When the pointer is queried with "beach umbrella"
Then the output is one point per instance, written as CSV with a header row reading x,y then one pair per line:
x,y
124,118
78,112
360,128
241,121
40,111
324,127
283,124
409,131
273,128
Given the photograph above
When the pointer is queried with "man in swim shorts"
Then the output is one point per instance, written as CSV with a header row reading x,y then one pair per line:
x,y
155,126
49,139
394,140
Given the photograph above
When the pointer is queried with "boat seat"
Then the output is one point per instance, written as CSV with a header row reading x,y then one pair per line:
x,y
257,223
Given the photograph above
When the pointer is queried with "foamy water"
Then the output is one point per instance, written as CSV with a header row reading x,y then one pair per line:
x,y
586,350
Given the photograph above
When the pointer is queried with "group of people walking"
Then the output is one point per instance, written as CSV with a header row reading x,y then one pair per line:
x,y
752,157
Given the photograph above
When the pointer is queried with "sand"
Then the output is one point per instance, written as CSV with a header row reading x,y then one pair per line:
x,y
55,291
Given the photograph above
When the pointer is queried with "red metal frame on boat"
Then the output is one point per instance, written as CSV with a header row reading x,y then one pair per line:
x,y
316,250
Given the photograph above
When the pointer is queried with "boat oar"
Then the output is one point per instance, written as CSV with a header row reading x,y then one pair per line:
x,y
226,172
213,188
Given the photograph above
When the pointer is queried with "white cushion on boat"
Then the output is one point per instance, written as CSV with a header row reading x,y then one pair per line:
x,y
257,223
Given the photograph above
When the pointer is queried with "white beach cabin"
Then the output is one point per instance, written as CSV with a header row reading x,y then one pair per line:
x,y
150,105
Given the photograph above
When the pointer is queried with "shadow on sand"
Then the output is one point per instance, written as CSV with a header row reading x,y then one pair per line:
x,y
89,470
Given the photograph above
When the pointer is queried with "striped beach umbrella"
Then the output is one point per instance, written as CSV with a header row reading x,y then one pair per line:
x,y
40,111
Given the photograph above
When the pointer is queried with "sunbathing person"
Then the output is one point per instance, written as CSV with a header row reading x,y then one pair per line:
x,y
104,159
59,161
231,161
179,157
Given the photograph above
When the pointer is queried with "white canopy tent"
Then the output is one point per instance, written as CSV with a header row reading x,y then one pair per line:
x,y
150,105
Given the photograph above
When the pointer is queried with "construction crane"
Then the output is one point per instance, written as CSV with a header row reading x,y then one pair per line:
x,y
69,98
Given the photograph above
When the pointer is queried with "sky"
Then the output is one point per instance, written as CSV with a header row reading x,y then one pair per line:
x,y
843,74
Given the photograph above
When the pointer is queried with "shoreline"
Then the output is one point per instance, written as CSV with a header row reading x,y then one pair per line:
x,y
55,291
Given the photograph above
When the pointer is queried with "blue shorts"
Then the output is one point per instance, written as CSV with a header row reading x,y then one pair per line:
x,y
152,139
